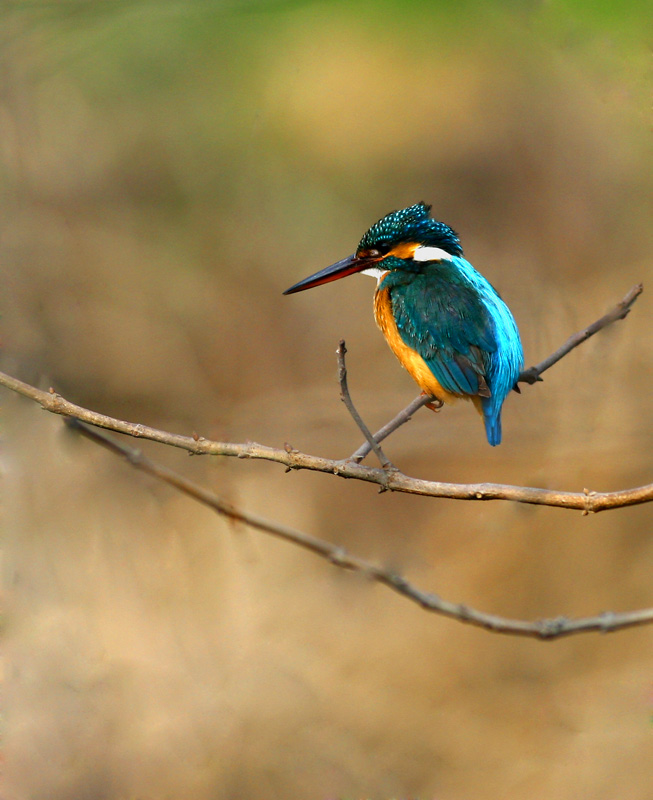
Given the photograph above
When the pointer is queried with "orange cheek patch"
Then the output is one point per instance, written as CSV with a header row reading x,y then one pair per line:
x,y
404,250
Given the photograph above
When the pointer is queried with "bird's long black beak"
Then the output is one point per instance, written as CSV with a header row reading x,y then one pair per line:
x,y
348,266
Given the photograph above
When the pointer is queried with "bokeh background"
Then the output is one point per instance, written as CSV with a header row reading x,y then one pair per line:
x,y
168,169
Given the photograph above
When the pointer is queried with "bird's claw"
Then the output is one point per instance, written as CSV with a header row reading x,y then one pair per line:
x,y
435,404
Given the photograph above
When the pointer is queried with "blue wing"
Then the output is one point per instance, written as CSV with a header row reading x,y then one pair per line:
x,y
462,329
451,329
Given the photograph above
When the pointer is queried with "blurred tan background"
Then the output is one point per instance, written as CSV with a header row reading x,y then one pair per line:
x,y
168,170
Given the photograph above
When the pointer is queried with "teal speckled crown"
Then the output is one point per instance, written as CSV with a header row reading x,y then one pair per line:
x,y
412,224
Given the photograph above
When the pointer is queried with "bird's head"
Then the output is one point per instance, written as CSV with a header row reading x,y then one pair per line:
x,y
402,240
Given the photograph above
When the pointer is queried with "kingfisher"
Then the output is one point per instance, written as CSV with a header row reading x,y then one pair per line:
x,y
443,320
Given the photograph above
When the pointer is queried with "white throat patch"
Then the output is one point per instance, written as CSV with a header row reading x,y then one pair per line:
x,y
375,272
430,254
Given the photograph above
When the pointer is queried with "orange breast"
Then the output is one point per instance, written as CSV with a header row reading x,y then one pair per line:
x,y
410,359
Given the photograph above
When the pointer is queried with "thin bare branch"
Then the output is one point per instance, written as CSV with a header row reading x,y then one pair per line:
x,y
405,415
346,399
547,629
620,311
585,501
530,375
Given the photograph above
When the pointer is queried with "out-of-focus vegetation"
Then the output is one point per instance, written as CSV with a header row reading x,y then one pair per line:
x,y
168,169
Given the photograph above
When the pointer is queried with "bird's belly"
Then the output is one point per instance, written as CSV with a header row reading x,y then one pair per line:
x,y
410,359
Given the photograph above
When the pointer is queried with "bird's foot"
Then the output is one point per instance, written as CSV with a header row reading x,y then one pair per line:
x,y
435,404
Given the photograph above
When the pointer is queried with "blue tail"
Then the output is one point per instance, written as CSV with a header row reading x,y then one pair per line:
x,y
492,420
492,426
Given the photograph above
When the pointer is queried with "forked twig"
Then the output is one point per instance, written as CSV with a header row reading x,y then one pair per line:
x,y
405,415
346,398
547,629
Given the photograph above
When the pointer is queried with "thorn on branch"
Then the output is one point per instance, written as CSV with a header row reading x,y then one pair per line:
x,y
338,557
589,502
529,376
551,628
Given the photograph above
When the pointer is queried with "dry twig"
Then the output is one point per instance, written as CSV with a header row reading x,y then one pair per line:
x,y
620,311
346,399
586,501
546,629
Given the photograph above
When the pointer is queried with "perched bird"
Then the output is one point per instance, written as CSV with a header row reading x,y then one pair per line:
x,y
443,320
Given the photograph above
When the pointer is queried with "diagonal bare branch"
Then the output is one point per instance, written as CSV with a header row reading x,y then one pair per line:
x,y
546,629
620,311
585,501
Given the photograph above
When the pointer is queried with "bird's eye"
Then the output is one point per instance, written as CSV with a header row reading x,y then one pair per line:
x,y
374,252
